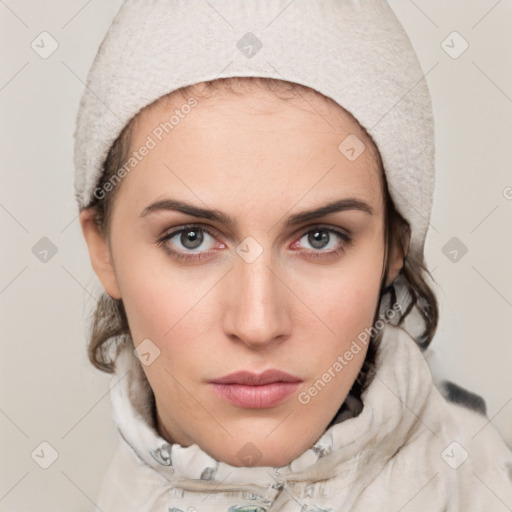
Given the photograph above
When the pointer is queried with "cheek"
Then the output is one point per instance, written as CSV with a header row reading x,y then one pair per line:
x,y
157,306
167,305
154,294
162,311
351,296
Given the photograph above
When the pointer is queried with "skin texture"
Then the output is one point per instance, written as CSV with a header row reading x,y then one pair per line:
x,y
259,159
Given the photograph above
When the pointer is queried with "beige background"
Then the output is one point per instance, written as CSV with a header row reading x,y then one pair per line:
x,y
50,393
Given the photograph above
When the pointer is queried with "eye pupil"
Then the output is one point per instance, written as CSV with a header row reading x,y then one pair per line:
x,y
193,236
318,238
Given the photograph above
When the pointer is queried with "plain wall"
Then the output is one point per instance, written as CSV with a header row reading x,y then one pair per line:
x,y
50,392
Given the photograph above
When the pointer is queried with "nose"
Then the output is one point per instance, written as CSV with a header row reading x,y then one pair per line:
x,y
257,313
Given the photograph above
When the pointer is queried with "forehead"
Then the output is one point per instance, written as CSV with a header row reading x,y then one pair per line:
x,y
253,142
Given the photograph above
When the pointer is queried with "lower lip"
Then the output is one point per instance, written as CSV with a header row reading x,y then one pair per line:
x,y
256,397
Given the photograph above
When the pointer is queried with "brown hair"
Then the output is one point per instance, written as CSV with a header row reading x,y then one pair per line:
x,y
110,325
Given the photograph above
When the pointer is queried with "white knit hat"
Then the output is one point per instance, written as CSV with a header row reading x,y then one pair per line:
x,y
353,51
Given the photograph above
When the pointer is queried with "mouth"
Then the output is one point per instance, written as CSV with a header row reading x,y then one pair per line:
x,y
256,391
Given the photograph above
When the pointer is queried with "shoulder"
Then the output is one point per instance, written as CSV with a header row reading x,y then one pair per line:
x,y
456,394
471,422
458,443
471,449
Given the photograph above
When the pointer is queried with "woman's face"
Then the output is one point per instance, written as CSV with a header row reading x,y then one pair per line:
x,y
222,268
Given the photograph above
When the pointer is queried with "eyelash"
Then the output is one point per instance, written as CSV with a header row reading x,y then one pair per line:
x,y
346,240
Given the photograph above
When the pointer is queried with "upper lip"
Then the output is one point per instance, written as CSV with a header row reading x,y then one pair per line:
x,y
256,379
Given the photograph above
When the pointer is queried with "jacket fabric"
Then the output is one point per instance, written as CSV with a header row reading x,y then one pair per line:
x,y
405,448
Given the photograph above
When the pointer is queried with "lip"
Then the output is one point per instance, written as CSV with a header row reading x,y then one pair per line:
x,y
256,379
256,391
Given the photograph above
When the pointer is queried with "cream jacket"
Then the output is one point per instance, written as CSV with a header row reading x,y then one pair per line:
x,y
409,449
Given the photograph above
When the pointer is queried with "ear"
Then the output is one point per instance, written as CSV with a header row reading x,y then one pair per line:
x,y
398,253
99,253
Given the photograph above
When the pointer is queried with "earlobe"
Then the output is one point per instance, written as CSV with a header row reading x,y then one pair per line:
x,y
99,253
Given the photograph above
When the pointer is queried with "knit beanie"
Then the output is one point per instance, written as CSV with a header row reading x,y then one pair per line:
x,y
353,51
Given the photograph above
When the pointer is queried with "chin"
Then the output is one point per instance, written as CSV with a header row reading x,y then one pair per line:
x,y
251,456
261,450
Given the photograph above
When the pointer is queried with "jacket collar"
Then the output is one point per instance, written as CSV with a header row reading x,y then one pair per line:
x,y
356,448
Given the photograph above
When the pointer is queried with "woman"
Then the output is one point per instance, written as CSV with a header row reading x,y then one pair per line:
x,y
255,203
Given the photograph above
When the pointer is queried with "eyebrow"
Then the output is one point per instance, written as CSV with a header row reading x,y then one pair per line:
x,y
223,218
